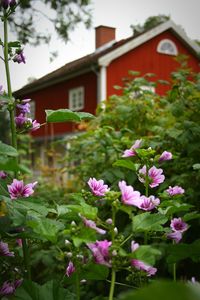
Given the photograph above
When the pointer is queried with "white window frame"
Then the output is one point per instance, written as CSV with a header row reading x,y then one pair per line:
x,y
172,51
75,103
32,109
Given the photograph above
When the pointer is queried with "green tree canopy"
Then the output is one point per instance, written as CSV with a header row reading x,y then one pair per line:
x,y
32,17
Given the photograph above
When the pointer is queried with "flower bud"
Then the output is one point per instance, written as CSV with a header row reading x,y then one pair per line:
x,y
5,3
12,3
114,253
73,224
69,254
83,281
109,221
67,242
115,230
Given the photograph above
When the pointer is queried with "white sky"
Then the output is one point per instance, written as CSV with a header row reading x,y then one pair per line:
x,y
116,13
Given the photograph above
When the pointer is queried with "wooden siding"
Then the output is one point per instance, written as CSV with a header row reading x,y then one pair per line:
x,y
56,97
146,59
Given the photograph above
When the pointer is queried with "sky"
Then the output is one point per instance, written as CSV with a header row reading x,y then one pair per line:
x,y
115,13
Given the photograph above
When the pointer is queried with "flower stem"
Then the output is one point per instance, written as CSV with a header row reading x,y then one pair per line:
x,y
112,285
11,107
174,272
113,274
13,131
26,259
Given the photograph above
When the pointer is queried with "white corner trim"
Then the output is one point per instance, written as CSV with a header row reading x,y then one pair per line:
x,y
102,84
135,42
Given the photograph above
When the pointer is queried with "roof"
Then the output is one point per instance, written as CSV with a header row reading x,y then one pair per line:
x,y
104,55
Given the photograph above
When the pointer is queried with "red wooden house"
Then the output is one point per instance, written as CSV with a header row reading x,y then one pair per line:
x,y
81,84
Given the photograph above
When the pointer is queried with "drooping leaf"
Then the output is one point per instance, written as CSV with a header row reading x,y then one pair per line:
x,y
85,115
61,115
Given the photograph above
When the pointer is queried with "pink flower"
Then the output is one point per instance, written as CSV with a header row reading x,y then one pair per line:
x,y
100,251
165,156
4,250
98,187
129,196
131,152
92,224
18,189
140,265
8,288
175,236
155,176
177,224
134,246
3,175
176,190
24,107
148,203
70,269
19,242
35,125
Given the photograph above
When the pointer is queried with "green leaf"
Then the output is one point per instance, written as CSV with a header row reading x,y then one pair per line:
x,y
46,229
149,222
15,44
51,290
7,150
85,235
125,163
62,115
95,272
84,209
147,254
164,290
182,251
191,216
85,115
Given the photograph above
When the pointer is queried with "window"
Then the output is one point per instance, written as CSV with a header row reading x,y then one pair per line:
x,y
32,109
76,98
167,47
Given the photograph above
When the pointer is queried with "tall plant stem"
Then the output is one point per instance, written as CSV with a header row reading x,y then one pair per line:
x,y
174,272
146,194
112,285
13,131
113,273
174,268
11,104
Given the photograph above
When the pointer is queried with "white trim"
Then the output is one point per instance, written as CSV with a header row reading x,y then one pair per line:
x,y
102,84
135,42
173,49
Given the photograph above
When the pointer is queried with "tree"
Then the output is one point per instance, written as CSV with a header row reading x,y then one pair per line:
x,y
149,23
28,21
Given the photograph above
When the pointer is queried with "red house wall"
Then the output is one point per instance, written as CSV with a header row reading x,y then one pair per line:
x,y
56,97
146,59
